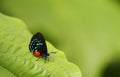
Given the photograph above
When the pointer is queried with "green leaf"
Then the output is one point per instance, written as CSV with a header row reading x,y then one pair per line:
x,y
17,61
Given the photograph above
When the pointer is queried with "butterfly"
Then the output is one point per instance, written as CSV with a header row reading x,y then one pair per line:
x,y
38,47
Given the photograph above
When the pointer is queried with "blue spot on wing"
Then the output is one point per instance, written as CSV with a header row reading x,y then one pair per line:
x,y
35,45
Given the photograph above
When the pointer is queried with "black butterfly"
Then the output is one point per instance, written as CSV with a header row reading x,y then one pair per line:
x,y
38,46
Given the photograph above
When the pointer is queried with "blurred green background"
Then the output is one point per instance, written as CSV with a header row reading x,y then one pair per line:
x,y
88,31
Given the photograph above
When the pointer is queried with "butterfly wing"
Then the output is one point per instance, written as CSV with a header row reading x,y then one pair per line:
x,y
37,43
